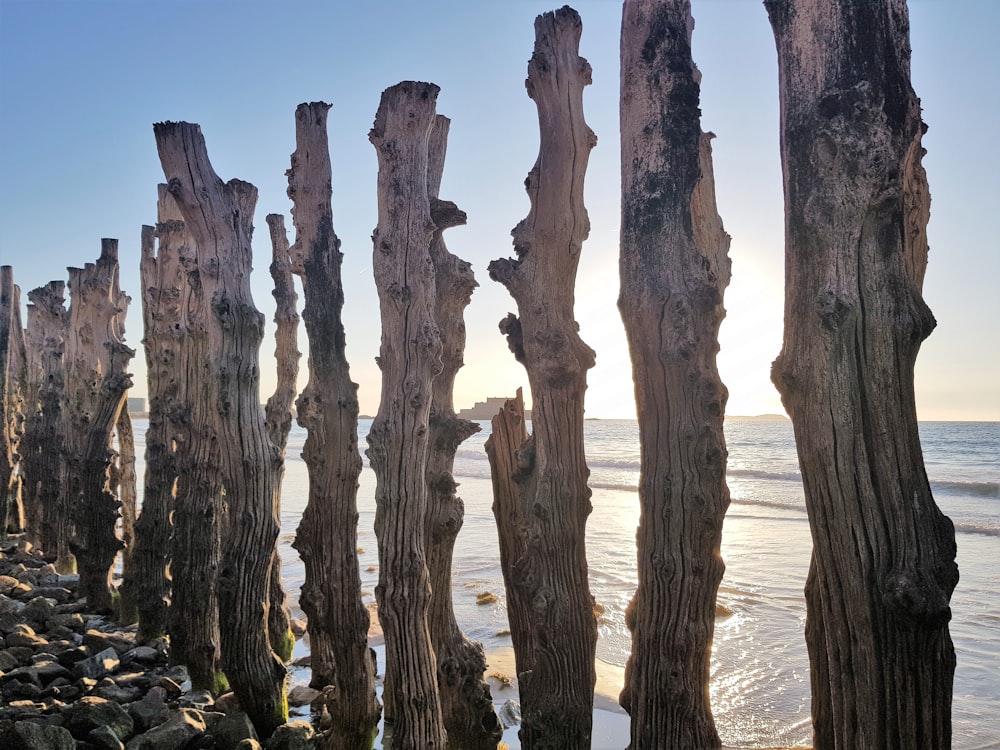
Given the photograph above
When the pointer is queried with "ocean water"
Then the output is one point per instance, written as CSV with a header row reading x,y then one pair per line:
x,y
760,668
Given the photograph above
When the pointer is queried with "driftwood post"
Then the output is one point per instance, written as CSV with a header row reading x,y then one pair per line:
x,y
410,357
186,399
219,217
48,322
123,473
96,385
466,703
146,586
327,537
13,404
674,270
856,208
278,413
557,686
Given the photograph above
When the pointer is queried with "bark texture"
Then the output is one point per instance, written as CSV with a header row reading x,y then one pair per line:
x,y
186,398
48,324
856,207
13,403
557,683
146,586
278,413
327,536
123,472
96,386
674,269
409,357
219,217
466,702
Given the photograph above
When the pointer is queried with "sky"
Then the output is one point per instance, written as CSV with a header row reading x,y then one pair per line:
x,y
82,82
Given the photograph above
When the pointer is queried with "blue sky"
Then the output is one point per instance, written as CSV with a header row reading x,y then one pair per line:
x,y
82,82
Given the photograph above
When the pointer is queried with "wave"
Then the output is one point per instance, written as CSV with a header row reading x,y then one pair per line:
x,y
979,489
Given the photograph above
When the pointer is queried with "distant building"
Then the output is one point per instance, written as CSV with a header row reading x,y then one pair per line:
x,y
486,410
136,406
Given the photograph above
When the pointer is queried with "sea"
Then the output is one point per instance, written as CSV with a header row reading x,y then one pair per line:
x,y
760,668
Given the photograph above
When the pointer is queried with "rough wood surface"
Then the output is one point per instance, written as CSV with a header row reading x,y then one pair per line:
x,y
177,307
674,270
124,483
327,536
466,702
409,357
146,585
13,404
557,688
278,413
219,217
856,207
96,387
48,321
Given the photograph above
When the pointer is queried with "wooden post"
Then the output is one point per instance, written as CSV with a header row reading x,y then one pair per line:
x,y
410,357
220,218
48,322
278,413
146,586
557,686
466,702
123,473
96,387
856,208
674,270
13,405
327,536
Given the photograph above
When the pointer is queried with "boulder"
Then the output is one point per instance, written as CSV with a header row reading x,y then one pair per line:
x,y
173,734
231,729
98,665
92,712
105,739
31,735
295,735
151,710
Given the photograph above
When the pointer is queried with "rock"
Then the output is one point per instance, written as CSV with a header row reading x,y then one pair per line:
x,y
98,665
96,641
301,695
31,735
299,627
58,594
173,734
91,712
509,713
172,688
249,744
38,610
7,584
151,710
231,729
105,738
51,670
7,662
228,703
295,735
24,635
198,699
119,693
142,655
69,620
70,657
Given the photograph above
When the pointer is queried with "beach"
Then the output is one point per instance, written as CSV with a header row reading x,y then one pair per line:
x,y
760,669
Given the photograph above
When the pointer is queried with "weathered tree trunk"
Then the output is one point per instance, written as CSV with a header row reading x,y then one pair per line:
x,y
178,310
31,441
674,270
13,393
220,219
146,586
127,494
278,414
96,385
48,322
510,455
327,536
409,357
856,207
557,688
466,703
